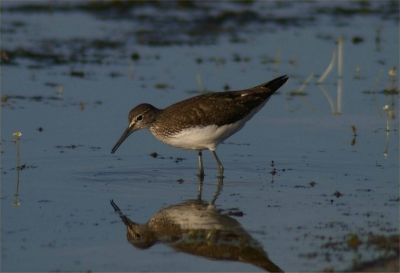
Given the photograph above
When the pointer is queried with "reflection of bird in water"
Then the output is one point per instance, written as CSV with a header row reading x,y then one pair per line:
x,y
196,227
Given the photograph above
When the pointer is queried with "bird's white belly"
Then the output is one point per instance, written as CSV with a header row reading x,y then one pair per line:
x,y
196,217
206,137
200,138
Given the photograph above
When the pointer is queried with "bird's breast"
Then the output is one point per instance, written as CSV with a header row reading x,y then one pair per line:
x,y
200,137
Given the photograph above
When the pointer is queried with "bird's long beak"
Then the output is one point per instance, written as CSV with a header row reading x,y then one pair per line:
x,y
122,138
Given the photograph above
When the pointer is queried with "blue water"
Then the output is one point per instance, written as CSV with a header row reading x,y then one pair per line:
x,y
64,220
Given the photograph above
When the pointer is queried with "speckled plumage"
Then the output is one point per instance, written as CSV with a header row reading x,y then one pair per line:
x,y
204,121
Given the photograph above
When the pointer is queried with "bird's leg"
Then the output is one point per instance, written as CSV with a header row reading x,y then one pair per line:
x,y
201,169
220,167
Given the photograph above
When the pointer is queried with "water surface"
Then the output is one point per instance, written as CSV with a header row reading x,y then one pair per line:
x,y
71,71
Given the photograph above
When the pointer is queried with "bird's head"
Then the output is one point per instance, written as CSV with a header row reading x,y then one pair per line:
x,y
139,117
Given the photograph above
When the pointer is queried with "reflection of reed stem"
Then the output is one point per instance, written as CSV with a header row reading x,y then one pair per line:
x,y
305,83
328,69
328,97
377,80
340,57
18,169
340,69
339,96
301,89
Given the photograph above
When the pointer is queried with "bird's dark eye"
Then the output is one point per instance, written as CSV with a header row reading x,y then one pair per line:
x,y
139,118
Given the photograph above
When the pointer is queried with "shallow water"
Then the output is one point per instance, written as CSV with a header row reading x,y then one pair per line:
x,y
69,70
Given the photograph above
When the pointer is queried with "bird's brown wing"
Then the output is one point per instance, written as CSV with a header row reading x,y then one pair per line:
x,y
219,108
